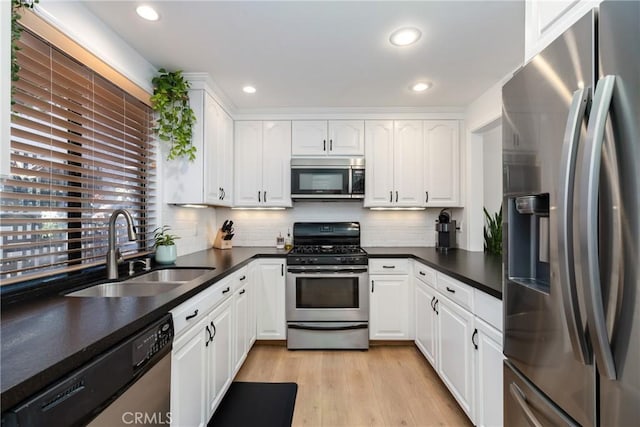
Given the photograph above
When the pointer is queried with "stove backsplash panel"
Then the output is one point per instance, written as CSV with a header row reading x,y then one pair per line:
x,y
378,228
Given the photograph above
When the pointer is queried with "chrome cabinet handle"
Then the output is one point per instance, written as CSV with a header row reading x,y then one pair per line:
x,y
521,399
191,316
567,267
589,189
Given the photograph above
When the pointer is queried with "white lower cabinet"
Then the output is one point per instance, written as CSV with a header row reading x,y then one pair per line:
x,y
489,359
426,331
455,351
241,319
388,293
457,330
188,385
219,358
270,281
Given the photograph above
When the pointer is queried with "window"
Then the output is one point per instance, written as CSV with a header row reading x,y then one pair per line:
x,y
80,148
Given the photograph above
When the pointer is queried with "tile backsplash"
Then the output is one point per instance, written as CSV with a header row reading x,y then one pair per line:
x,y
379,228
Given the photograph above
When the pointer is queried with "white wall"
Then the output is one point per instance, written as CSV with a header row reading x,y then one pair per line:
x,y
378,228
492,169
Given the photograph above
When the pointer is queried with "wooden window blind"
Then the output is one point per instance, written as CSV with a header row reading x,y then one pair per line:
x,y
80,148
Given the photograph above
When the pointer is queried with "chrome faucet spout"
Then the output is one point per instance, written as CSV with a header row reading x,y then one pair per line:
x,y
113,254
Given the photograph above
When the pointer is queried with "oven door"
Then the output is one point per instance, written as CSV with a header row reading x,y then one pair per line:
x,y
327,294
320,182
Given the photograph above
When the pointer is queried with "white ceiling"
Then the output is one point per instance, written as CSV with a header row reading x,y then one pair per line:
x,y
324,54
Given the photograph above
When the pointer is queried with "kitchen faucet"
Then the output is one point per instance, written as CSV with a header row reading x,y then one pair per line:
x,y
113,254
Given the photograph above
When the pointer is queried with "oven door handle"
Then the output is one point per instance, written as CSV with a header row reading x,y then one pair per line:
x,y
310,271
328,328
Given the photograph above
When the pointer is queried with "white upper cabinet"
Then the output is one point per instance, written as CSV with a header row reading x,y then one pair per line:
x,y
545,20
262,160
442,163
327,138
394,163
208,179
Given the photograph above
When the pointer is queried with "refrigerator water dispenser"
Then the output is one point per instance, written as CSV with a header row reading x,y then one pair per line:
x,y
528,240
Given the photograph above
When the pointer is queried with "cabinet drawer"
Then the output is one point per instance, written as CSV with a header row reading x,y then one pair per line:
x,y
425,274
389,266
488,308
240,278
456,291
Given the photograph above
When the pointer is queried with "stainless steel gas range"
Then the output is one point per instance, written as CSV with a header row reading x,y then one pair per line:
x,y
327,299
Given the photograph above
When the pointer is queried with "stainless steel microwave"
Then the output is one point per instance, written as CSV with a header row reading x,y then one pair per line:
x,y
327,178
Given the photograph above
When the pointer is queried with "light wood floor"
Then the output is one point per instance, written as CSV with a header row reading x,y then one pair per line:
x,y
385,386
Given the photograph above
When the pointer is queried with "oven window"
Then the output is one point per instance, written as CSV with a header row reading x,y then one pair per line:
x,y
323,292
320,181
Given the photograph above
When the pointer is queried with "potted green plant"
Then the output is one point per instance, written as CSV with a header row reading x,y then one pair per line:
x,y
165,245
493,232
175,120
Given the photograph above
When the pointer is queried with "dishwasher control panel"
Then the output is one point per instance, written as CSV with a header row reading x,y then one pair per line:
x,y
152,341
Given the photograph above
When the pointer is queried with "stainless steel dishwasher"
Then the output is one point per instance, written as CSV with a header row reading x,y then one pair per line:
x,y
127,385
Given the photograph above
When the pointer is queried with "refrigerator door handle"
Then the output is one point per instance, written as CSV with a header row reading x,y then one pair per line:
x,y
565,213
589,189
521,399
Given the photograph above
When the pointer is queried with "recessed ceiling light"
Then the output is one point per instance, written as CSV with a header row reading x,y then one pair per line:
x,y
249,89
147,12
405,36
421,86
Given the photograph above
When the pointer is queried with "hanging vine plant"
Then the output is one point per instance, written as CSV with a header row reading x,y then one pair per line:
x,y
175,117
16,31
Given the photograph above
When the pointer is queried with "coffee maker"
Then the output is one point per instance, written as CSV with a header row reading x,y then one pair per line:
x,y
445,232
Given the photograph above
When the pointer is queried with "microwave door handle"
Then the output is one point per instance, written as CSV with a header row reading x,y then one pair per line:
x,y
350,189
588,220
567,264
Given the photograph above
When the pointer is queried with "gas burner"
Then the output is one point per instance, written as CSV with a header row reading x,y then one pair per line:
x,y
336,243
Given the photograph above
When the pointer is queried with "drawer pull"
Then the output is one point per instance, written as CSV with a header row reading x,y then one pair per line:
x,y
388,266
243,277
226,290
242,292
191,316
453,291
422,273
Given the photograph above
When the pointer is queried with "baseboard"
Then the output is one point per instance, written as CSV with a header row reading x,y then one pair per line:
x,y
399,343
275,343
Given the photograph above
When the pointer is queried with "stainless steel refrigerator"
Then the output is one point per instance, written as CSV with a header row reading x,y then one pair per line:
x,y
571,153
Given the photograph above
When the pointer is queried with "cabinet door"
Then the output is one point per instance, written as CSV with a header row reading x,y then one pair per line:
x,y
184,179
346,137
378,163
442,163
224,163
214,150
488,396
252,291
408,162
455,351
188,378
309,138
425,321
389,307
271,296
276,163
220,352
241,311
248,163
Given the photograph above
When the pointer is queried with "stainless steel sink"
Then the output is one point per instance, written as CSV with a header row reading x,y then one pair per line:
x,y
171,275
126,289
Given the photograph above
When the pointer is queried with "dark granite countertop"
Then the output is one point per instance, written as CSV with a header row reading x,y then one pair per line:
x,y
476,269
44,339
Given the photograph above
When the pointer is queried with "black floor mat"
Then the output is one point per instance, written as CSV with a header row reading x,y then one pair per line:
x,y
256,405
